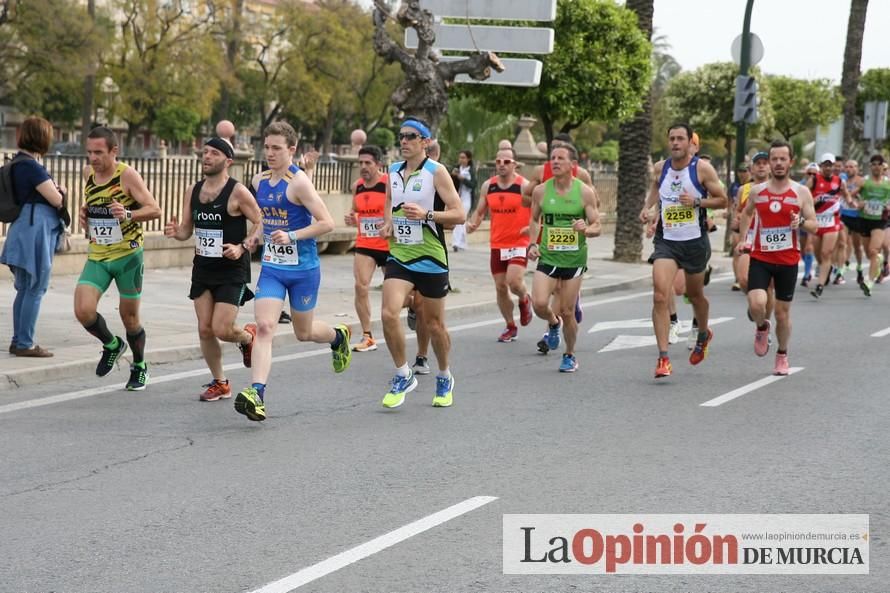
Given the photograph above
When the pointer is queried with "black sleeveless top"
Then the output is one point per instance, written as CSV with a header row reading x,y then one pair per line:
x,y
214,226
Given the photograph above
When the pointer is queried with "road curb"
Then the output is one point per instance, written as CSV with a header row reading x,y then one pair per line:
x,y
15,380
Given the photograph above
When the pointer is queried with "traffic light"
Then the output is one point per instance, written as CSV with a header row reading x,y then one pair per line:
x,y
745,107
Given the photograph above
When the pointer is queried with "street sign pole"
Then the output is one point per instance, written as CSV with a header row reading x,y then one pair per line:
x,y
744,65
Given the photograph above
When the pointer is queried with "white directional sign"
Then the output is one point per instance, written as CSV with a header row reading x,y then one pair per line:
x,y
520,40
516,72
521,10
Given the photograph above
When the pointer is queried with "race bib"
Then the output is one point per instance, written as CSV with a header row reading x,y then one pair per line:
x,y
105,231
562,239
509,253
282,255
407,232
776,238
209,242
367,227
677,216
825,220
874,208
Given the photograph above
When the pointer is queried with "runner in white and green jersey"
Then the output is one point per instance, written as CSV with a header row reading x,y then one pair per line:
x,y
420,202
874,203
568,211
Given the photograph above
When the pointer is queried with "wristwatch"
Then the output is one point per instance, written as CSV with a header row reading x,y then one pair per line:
x,y
429,215
129,214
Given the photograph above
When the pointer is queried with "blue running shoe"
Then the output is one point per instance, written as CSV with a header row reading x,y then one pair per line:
x,y
569,364
444,390
553,335
398,389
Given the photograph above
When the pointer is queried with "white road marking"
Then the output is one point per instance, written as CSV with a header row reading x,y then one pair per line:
x,y
378,544
882,333
73,395
726,397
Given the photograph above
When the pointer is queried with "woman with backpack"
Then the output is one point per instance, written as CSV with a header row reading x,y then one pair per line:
x,y
32,238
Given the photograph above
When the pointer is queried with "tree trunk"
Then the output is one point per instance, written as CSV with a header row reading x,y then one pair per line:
x,y
633,161
89,88
327,133
851,73
233,45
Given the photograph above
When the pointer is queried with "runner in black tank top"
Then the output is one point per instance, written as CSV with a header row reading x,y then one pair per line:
x,y
217,209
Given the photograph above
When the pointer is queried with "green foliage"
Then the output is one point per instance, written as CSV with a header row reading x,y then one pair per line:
x,y
45,51
802,104
469,125
382,137
874,86
606,152
600,69
704,99
177,123
164,55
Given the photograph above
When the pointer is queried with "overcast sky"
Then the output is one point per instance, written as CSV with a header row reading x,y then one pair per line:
x,y
801,38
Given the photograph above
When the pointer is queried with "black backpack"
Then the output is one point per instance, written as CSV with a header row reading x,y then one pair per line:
x,y
10,207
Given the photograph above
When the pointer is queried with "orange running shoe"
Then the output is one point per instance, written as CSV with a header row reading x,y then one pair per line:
x,y
663,368
247,349
216,391
700,351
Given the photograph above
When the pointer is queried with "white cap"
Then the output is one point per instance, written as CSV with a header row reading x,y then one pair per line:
x,y
827,157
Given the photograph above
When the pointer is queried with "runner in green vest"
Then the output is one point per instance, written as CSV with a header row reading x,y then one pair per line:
x,y
567,209
874,202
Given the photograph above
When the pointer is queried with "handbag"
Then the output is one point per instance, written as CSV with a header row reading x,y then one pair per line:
x,y
64,243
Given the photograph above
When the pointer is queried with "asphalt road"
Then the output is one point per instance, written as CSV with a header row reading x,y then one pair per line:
x,y
109,491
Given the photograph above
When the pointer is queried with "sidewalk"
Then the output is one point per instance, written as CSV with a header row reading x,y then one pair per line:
x,y
171,327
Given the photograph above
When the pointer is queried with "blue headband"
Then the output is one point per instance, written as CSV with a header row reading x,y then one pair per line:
x,y
413,123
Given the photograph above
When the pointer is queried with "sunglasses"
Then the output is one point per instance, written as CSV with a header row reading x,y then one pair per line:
x,y
503,161
409,136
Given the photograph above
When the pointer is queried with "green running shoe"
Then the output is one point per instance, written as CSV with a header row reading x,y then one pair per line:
x,y
138,377
249,403
397,390
444,391
342,355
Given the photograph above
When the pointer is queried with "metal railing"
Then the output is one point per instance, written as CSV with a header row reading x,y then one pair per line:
x,y
169,178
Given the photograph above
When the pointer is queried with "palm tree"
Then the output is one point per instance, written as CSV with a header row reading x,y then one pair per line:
x,y
633,160
851,73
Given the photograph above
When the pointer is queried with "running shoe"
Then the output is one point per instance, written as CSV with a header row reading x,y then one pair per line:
x,y
412,319
700,352
569,364
525,311
110,357
860,277
579,314
397,390
736,287
781,367
674,332
761,340
247,349
508,334
817,292
805,281
553,335
368,344
284,317
663,368
444,392
138,377
839,279
692,337
342,355
421,366
866,287
216,390
249,403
